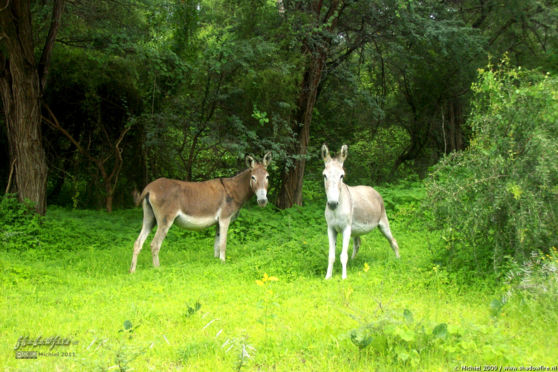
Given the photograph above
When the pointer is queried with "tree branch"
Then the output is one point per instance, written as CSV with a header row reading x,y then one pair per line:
x,y
5,6
55,124
118,160
501,31
334,7
49,43
12,168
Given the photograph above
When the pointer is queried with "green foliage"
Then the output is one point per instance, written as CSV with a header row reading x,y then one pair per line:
x,y
196,313
497,200
19,224
206,82
191,310
239,347
226,92
522,28
408,343
372,155
118,354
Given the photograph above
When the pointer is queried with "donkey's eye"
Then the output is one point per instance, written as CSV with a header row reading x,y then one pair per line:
x,y
267,177
253,178
342,176
325,177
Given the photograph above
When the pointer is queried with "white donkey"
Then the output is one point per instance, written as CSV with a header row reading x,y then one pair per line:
x,y
350,210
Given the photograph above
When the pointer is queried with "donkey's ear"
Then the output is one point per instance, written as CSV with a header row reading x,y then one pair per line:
x,y
250,162
325,153
343,153
267,159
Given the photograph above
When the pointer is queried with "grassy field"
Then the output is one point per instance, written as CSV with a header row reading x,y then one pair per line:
x,y
267,308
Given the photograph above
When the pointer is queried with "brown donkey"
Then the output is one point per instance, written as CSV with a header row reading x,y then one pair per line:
x,y
350,210
198,205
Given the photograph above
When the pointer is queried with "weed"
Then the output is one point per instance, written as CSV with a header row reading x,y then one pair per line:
x,y
191,310
115,353
240,347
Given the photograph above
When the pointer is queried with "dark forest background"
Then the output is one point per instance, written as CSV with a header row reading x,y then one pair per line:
x,y
125,91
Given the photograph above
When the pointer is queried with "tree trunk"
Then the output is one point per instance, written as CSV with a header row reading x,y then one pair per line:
x,y
24,138
21,83
455,131
20,91
291,188
110,195
317,53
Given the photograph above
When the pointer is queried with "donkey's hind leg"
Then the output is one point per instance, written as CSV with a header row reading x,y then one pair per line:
x,y
356,246
216,243
223,229
148,223
384,227
162,230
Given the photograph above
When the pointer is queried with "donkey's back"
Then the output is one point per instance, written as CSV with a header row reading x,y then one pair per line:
x,y
171,196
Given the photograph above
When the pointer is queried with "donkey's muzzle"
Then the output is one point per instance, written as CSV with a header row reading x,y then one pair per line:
x,y
332,205
262,202
261,196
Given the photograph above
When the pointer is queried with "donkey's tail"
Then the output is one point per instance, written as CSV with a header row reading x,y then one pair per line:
x,y
137,196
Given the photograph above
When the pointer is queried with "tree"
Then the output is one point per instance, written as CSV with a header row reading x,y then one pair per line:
x,y
22,82
235,90
316,48
331,32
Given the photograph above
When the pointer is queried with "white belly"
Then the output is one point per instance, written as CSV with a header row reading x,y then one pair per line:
x,y
194,223
339,220
360,228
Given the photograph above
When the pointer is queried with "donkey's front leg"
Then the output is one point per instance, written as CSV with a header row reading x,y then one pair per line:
x,y
344,251
332,235
223,229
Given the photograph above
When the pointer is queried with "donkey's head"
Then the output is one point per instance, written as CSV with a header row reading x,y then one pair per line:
x,y
259,177
333,175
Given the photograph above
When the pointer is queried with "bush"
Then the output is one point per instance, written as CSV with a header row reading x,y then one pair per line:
x,y
497,201
19,224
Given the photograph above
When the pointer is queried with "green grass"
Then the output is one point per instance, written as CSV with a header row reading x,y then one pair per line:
x,y
195,313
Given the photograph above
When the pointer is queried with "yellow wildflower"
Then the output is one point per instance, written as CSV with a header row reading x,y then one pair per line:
x,y
266,278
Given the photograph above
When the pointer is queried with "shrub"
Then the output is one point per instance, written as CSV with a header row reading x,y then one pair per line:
x,y
19,224
498,198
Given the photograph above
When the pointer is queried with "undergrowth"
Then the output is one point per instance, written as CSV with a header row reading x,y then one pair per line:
x,y
267,307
